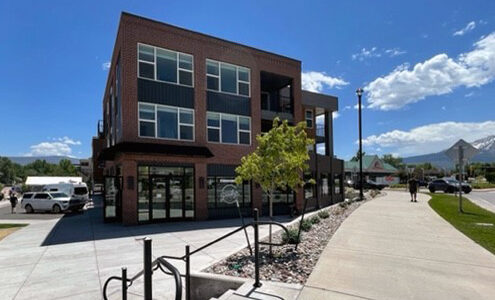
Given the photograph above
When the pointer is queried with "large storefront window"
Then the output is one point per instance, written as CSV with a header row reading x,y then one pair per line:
x,y
309,189
324,179
165,193
284,197
337,179
215,186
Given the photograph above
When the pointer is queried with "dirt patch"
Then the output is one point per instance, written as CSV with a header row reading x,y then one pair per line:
x,y
4,232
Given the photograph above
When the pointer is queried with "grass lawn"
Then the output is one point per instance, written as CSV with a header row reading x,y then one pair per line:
x,y
468,222
6,229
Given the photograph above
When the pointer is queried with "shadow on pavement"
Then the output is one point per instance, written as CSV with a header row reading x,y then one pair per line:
x,y
88,226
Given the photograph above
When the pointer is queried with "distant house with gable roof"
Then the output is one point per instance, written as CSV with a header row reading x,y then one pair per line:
x,y
374,168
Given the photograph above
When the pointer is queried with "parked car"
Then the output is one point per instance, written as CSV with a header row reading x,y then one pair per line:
x,y
371,185
55,202
448,186
77,191
422,183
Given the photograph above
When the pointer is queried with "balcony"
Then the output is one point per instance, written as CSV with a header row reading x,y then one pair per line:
x,y
276,96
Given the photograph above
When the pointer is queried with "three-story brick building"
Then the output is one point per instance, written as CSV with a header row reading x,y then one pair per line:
x,y
181,108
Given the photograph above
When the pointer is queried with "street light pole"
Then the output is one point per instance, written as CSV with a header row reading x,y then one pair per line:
x,y
359,93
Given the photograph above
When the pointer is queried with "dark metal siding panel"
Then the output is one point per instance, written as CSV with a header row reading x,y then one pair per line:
x,y
220,170
226,103
165,93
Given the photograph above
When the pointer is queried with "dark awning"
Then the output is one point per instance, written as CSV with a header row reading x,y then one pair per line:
x,y
150,148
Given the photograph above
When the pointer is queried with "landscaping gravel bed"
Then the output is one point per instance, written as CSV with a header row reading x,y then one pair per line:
x,y
288,264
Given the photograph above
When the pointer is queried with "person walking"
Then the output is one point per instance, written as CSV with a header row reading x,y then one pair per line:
x,y
13,201
413,188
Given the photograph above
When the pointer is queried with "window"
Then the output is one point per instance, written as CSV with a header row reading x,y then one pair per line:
x,y
309,118
42,196
165,65
167,122
227,78
27,195
229,129
324,184
215,186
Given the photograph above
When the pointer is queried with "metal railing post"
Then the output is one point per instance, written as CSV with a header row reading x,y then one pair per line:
x,y
188,273
148,272
124,283
257,282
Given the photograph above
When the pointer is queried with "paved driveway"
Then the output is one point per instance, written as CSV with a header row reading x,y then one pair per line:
x,y
71,257
485,199
390,248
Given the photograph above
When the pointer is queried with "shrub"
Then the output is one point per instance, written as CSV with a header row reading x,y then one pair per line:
x,y
323,214
490,177
398,186
291,236
343,204
314,220
306,225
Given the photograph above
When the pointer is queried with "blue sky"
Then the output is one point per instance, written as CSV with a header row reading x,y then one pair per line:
x,y
427,66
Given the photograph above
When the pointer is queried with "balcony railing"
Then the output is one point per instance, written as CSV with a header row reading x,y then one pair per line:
x,y
283,105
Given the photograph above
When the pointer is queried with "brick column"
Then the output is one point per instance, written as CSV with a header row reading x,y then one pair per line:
x,y
201,192
129,192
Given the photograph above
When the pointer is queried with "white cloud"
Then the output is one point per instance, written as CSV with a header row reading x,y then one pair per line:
x,y
315,81
67,140
430,138
470,94
375,52
395,52
436,76
366,53
105,66
469,26
59,146
335,115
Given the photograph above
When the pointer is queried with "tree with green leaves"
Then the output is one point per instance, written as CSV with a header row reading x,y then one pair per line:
x,y
356,157
396,162
279,161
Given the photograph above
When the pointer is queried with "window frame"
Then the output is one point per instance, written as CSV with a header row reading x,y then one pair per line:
x,y
239,130
308,119
245,185
155,68
178,124
219,77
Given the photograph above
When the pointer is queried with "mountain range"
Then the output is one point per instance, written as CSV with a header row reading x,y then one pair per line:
x,y
24,160
486,146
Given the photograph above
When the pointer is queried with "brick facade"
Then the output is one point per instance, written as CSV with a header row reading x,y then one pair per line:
x,y
133,30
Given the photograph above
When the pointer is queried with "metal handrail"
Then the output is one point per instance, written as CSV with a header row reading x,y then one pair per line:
x,y
159,263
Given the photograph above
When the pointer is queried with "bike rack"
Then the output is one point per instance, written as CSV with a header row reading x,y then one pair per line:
x,y
161,263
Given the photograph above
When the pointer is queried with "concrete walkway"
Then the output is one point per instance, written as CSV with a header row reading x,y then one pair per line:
x,y
390,248
71,257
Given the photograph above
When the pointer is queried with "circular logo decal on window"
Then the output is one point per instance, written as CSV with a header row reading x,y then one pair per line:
x,y
229,194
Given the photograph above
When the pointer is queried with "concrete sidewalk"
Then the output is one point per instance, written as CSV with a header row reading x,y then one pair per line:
x,y
390,248
71,257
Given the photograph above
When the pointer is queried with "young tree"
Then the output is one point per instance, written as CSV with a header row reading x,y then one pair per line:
x,y
279,161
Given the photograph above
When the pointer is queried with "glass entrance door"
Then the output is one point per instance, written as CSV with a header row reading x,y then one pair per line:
x,y
159,198
167,197
112,199
175,197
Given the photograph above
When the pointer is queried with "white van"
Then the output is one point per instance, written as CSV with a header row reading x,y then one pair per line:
x,y
77,191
